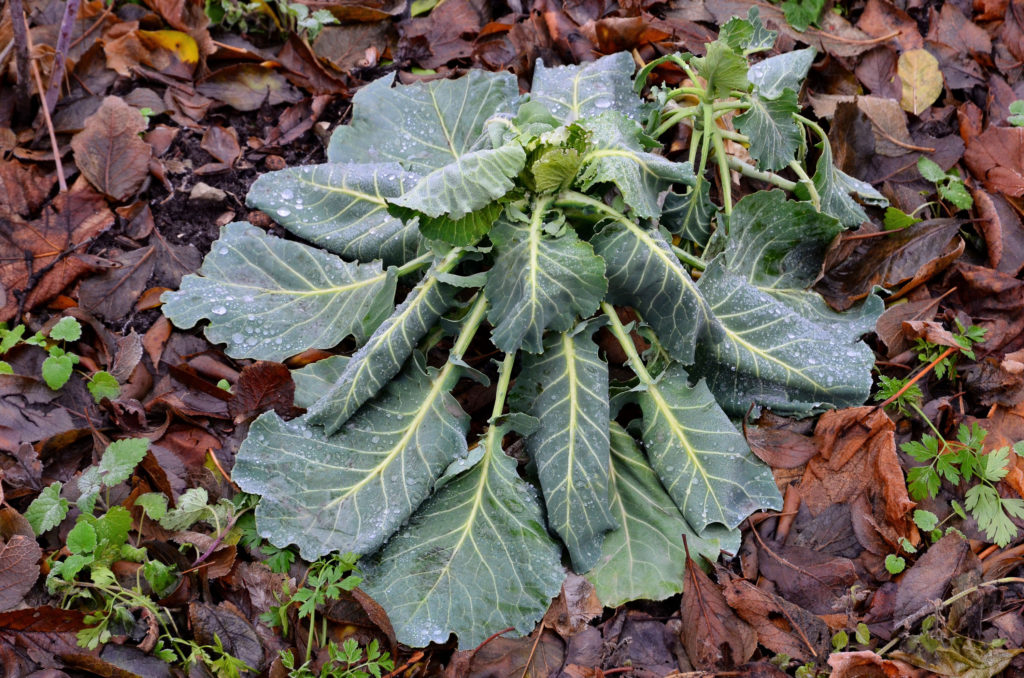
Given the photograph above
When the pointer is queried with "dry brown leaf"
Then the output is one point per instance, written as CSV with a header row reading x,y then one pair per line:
x,y
575,606
782,627
996,158
19,558
714,637
867,664
922,80
246,87
109,151
263,386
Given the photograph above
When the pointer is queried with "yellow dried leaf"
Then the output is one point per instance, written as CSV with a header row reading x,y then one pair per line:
x,y
922,80
181,44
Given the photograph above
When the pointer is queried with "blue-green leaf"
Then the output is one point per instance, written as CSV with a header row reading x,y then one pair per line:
x,y
774,134
575,92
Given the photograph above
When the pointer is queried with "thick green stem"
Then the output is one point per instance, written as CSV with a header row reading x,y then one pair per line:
x,y
674,118
723,107
812,190
617,328
423,260
721,158
679,91
688,258
754,173
734,136
469,326
504,378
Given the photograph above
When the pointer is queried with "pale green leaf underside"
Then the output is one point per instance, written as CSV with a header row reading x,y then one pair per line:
x,y
761,351
313,380
341,207
350,491
269,298
423,126
644,273
467,184
644,558
383,355
774,134
539,282
474,559
570,448
776,74
574,92
615,156
704,464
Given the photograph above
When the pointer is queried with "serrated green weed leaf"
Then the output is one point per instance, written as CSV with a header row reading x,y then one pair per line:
x,y
66,329
48,509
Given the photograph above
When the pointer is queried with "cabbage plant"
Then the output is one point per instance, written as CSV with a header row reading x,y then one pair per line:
x,y
455,212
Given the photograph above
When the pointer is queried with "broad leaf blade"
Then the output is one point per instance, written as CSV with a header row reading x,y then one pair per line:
x,y
644,558
423,126
773,76
761,351
475,558
703,462
723,69
571,446
835,188
467,184
774,135
341,207
575,92
539,282
269,298
382,357
689,215
644,273
615,156
350,491
313,380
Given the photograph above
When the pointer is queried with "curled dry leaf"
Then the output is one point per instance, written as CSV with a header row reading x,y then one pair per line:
x,y
996,158
19,558
109,151
714,637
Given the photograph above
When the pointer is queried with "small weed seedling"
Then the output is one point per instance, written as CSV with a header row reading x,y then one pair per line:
x,y
949,184
59,364
325,580
965,337
1016,113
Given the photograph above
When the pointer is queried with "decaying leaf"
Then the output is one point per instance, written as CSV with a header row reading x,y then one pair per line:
x,y
714,637
109,150
922,80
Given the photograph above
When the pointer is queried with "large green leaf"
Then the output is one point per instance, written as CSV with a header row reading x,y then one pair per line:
x,y
644,273
341,207
423,126
703,462
269,298
644,558
381,358
615,155
574,92
313,380
776,74
570,447
689,215
837,188
776,340
467,184
474,559
539,282
723,69
759,350
774,134
350,491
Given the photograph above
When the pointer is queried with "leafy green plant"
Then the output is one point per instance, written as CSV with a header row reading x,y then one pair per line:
x,y
802,14
59,363
101,537
965,337
540,216
265,16
326,578
949,184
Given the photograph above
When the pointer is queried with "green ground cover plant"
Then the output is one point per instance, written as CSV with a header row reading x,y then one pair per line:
x,y
541,216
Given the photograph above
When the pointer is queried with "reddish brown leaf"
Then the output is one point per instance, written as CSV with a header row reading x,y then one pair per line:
x,y
263,386
930,577
345,47
781,626
714,637
19,558
112,294
996,158
950,27
23,188
40,248
994,300
234,631
813,580
867,664
511,657
222,144
109,151
881,17
246,87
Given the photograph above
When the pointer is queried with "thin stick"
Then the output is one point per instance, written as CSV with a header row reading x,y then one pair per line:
x,y
49,124
916,378
418,655
67,26
852,41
